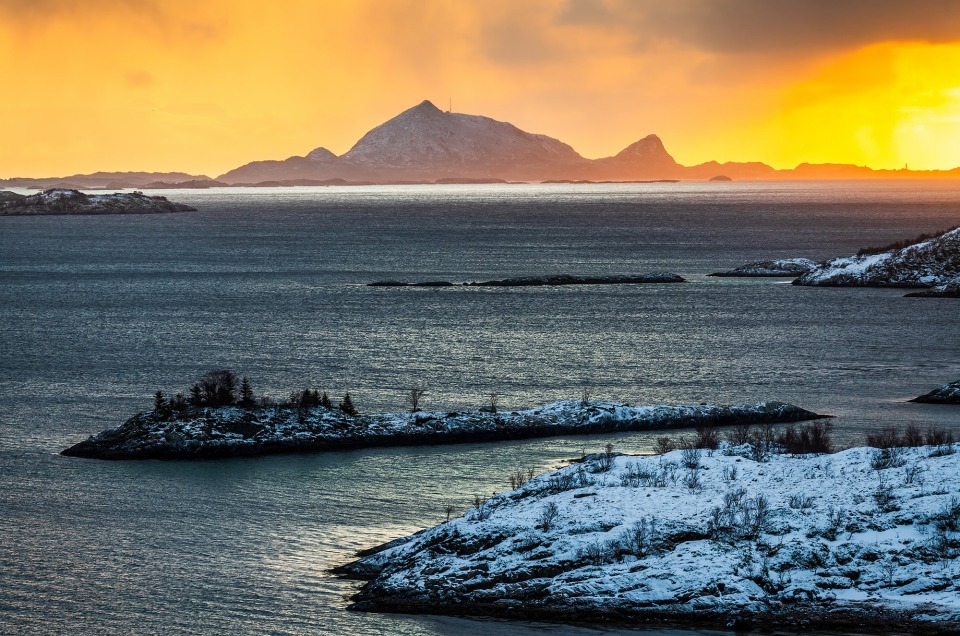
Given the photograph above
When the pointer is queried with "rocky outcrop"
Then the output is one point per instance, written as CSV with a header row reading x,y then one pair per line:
x,y
235,432
927,263
950,290
75,202
537,281
947,394
783,268
712,540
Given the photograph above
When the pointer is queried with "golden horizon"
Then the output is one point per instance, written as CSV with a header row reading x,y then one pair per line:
x,y
161,86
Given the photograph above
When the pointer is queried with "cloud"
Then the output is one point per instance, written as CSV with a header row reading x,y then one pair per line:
x,y
772,27
166,20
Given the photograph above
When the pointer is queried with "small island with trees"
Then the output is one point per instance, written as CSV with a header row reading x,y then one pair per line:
x,y
221,416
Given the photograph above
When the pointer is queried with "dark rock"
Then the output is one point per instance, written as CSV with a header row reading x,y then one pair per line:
x,y
950,290
568,279
947,394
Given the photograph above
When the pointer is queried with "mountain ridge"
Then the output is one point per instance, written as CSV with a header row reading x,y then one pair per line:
x,y
425,144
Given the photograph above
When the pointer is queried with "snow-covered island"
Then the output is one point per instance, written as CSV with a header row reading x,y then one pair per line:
x,y
929,262
864,540
234,431
785,268
60,201
947,394
556,279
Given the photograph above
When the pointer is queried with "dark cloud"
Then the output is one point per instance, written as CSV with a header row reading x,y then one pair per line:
x,y
772,26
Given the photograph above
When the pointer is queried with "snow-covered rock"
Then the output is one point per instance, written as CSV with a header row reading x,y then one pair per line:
x,y
779,268
61,201
861,540
947,394
228,432
932,262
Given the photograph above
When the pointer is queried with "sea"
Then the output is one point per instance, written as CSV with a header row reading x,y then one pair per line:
x,y
99,312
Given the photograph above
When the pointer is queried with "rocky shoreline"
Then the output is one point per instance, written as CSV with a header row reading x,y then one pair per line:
x,y
74,202
865,540
947,394
931,262
208,433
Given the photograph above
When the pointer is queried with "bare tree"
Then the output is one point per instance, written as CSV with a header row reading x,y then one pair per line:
x,y
492,399
414,394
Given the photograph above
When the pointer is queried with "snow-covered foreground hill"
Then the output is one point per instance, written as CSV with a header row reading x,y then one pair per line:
x,y
929,263
861,540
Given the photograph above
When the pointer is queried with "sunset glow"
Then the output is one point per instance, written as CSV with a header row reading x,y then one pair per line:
x,y
205,87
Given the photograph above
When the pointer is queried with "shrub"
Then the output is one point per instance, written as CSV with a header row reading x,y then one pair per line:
x,y
739,435
887,438
664,445
707,437
604,461
689,455
812,438
912,436
639,537
762,442
548,515
899,245
884,458
800,501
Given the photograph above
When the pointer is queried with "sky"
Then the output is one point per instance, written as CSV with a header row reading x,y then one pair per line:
x,y
205,86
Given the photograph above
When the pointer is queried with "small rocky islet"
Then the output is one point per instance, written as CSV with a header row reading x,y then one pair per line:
x,y
782,268
550,280
58,201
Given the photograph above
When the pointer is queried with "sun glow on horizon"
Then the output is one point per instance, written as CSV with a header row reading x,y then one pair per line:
x,y
168,85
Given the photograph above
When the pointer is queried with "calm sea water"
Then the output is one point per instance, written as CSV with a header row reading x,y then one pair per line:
x,y
96,313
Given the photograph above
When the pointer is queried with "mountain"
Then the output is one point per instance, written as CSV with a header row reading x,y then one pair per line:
x,y
425,143
644,159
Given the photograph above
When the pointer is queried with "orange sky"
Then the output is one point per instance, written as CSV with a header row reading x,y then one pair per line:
x,y
204,86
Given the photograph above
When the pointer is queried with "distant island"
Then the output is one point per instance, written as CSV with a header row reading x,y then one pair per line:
x,y
545,281
758,532
72,202
220,417
427,145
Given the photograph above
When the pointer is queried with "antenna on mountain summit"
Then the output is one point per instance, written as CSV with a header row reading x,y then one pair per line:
x,y
450,107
